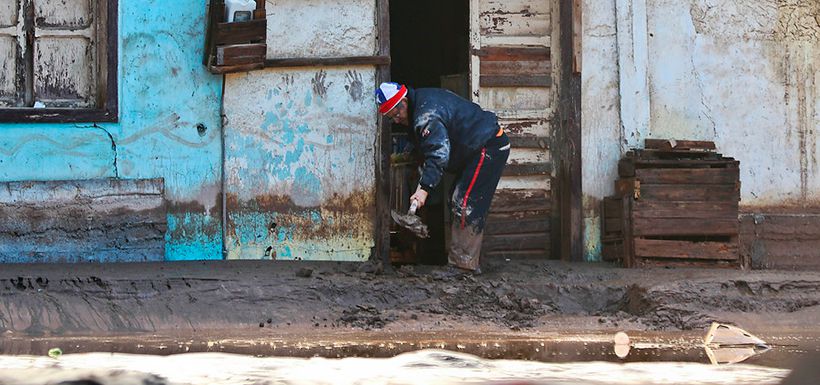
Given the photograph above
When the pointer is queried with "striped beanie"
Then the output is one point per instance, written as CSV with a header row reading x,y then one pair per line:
x,y
388,96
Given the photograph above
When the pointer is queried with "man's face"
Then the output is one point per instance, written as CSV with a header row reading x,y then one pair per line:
x,y
399,113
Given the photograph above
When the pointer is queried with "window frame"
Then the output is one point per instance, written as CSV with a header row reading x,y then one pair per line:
x,y
109,110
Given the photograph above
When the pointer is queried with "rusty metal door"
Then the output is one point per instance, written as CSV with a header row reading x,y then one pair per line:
x,y
511,75
301,140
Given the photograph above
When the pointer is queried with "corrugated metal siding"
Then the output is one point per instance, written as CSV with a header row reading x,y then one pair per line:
x,y
300,142
510,75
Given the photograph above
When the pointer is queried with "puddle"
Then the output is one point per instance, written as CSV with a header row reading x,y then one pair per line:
x,y
411,358
785,349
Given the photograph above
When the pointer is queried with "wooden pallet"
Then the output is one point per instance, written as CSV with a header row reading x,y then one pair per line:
x,y
673,207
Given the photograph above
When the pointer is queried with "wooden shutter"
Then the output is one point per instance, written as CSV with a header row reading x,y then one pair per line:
x,y
11,54
64,68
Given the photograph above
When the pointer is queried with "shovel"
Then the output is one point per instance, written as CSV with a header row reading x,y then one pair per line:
x,y
411,221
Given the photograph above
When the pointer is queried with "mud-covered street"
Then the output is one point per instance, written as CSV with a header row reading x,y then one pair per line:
x,y
320,298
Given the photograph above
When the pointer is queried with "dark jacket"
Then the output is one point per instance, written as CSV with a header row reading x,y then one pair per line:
x,y
447,129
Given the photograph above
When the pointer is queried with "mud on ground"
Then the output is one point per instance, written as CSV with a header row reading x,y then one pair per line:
x,y
87,299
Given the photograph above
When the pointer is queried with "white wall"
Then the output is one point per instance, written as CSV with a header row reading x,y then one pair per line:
x,y
742,73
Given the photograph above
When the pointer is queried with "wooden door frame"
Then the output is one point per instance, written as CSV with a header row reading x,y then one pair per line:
x,y
382,161
568,239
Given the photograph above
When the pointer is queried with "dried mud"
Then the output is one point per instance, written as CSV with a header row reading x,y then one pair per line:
x,y
536,296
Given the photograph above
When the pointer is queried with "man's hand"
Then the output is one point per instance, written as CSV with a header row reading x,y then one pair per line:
x,y
420,196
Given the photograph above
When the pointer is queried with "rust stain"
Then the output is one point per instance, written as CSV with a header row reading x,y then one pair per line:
x,y
181,208
348,216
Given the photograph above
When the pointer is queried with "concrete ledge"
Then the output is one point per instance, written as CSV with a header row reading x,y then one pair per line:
x,y
101,220
781,240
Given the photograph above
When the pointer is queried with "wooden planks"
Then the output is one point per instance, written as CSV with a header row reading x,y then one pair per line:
x,y
519,224
542,168
517,200
688,176
511,75
689,192
240,54
520,53
693,227
237,46
528,141
514,67
684,209
529,67
500,225
515,80
656,248
514,17
683,145
252,31
516,242
674,207
772,238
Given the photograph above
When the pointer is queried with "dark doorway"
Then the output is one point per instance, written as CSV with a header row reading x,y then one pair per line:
x,y
428,39
429,47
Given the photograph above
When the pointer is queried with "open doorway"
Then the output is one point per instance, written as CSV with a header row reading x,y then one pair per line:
x,y
429,47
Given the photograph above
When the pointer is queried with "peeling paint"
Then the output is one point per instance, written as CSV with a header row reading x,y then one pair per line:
x,y
742,73
161,109
300,165
775,20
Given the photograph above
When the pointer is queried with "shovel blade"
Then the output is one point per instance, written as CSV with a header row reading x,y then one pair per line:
x,y
412,223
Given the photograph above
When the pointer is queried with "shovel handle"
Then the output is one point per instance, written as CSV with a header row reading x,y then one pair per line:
x,y
414,205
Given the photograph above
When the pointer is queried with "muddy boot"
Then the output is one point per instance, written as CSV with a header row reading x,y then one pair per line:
x,y
465,248
448,273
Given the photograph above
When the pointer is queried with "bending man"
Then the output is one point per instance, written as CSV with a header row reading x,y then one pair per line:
x,y
458,136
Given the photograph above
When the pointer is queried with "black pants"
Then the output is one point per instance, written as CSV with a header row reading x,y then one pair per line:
x,y
472,196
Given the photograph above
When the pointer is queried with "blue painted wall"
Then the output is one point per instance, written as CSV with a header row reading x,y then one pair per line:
x,y
165,93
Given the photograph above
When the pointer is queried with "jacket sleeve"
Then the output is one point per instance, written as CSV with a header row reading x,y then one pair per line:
x,y
434,144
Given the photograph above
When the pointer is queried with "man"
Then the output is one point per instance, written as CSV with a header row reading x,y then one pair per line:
x,y
454,135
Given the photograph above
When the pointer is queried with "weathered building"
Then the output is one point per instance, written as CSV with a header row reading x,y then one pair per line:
x,y
109,119
743,74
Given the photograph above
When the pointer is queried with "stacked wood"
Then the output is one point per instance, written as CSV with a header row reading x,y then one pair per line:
x,y
236,46
676,204
518,225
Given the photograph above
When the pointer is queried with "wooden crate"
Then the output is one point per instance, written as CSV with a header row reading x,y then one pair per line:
x,y
673,207
238,46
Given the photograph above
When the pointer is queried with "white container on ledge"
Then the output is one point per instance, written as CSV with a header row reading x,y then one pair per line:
x,y
239,10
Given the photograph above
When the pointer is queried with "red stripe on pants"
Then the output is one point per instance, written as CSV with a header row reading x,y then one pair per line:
x,y
472,183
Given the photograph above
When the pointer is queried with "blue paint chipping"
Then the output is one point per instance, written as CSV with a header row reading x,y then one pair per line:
x,y
316,217
194,243
156,136
307,182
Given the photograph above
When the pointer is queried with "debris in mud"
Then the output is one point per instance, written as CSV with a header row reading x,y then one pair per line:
x,y
487,300
406,271
366,317
304,272
371,267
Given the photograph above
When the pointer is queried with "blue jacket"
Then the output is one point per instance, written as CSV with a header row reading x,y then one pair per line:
x,y
447,129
